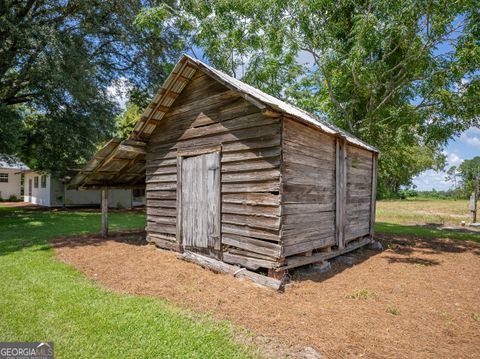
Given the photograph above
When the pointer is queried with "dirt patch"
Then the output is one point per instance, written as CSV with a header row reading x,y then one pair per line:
x,y
416,299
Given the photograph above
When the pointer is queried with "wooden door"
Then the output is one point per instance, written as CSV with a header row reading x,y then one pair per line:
x,y
200,203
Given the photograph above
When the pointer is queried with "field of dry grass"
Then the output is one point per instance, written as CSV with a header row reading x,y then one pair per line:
x,y
426,218
423,211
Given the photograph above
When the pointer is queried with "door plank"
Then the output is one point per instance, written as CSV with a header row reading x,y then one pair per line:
x,y
200,196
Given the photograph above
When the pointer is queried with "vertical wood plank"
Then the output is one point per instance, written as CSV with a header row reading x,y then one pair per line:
x,y
282,183
104,212
179,202
340,191
374,192
200,204
344,189
213,199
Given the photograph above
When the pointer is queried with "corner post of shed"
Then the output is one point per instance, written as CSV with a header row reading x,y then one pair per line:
x,y
105,212
373,199
340,190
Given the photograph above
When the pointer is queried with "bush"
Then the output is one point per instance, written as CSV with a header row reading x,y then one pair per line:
x,y
408,193
12,198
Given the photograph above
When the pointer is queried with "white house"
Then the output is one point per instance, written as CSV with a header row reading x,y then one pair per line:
x,y
44,190
11,180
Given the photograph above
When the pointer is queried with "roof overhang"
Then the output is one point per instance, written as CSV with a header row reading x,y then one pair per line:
x,y
118,164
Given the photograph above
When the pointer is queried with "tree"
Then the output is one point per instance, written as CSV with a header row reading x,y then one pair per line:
x,y
452,174
401,75
469,173
127,120
57,61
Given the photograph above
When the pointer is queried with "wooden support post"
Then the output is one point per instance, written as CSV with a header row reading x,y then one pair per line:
x,y
341,191
473,203
374,193
104,212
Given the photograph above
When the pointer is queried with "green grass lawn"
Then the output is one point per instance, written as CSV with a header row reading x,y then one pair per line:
x,y
425,218
43,299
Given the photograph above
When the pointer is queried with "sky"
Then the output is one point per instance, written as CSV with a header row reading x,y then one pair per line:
x,y
461,148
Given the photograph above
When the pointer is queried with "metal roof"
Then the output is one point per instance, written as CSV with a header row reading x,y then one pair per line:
x,y
13,164
184,71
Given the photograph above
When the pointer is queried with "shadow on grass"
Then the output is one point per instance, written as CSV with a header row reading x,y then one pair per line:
x,y
428,230
132,236
411,240
31,228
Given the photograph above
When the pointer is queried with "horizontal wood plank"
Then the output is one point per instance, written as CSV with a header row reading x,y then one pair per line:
x,y
252,221
251,244
254,199
250,232
247,262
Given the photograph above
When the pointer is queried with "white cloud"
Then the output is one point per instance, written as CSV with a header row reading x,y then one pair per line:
x,y
471,137
473,141
474,130
453,159
431,179
118,91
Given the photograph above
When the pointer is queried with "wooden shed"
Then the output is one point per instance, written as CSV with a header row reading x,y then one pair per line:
x,y
238,175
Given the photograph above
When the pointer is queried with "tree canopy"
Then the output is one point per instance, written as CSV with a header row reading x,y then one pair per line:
x,y
58,59
401,75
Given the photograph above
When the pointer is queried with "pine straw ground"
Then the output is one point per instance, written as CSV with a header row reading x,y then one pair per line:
x,y
417,299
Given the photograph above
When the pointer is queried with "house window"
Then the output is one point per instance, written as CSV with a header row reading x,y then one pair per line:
x,y
35,182
139,192
4,177
43,181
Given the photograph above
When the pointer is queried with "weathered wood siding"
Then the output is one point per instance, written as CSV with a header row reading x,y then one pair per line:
x,y
308,188
206,113
359,193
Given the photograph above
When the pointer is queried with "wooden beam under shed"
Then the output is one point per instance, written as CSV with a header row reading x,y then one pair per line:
x,y
222,267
